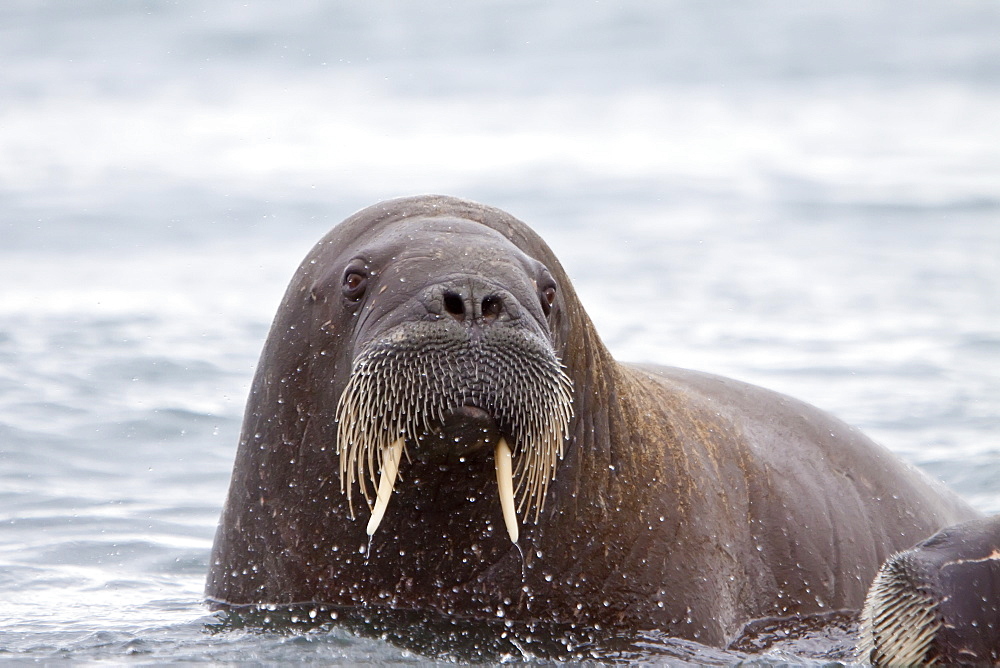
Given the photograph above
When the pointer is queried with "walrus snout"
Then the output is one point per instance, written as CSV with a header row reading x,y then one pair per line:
x,y
444,388
931,605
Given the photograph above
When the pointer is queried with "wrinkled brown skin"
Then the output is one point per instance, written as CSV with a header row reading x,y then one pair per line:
x,y
685,502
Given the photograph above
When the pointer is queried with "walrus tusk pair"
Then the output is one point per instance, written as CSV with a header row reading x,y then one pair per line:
x,y
505,481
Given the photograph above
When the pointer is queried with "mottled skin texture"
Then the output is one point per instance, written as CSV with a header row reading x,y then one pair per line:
x,y
685,502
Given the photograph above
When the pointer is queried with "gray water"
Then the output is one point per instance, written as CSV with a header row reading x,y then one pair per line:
x,y
802,196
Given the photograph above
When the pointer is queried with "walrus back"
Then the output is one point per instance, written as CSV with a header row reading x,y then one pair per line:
x,y
849,502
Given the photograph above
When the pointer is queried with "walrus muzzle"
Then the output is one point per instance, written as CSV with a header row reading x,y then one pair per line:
x,y
406,383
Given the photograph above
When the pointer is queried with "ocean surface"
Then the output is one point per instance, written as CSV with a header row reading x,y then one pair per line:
x,y
804,196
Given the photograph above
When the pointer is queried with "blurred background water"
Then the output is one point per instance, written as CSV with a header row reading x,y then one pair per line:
x,y
804,196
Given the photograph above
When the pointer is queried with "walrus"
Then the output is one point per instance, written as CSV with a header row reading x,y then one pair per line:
x,y
938,602
435,425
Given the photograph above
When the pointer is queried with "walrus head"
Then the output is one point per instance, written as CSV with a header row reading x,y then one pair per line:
x,y
429,357
468,368
936,603
451,351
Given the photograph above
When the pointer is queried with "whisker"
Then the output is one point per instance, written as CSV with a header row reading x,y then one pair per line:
x,y
419,372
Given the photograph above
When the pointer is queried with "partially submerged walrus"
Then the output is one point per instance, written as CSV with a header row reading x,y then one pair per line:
x,y
436,425
938,602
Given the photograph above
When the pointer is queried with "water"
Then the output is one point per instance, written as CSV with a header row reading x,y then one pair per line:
x,y
804,197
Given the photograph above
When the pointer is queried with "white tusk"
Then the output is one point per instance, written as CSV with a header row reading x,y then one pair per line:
x,y
386,483
505,481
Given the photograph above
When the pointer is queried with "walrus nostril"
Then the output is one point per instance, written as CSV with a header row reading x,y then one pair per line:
x,y
492,306
454,305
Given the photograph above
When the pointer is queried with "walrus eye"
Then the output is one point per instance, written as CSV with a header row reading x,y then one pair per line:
x,y
548,298
354,283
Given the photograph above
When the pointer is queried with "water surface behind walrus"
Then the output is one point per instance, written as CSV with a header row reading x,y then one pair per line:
x,y
803,197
